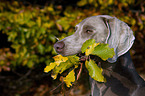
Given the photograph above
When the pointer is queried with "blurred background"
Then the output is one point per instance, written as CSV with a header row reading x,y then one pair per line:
x,y
27,34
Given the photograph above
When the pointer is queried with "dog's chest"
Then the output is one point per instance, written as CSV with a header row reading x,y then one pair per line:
x,y
116,85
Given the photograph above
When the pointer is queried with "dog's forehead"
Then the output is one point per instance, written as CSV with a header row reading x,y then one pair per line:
x,y
90,21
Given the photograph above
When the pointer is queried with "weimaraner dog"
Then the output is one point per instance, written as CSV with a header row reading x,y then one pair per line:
x,y
122,78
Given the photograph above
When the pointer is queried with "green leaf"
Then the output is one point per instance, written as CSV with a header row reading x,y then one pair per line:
x,y
91,48
52,38
70,78
73,59
64,23
40,48
61,68
28,34
30,64
103,51
94,71
63,63
86,44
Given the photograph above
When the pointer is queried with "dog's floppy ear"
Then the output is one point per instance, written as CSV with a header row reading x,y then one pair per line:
x,y
120,36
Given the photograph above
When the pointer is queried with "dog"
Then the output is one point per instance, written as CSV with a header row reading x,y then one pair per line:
x,y
119,71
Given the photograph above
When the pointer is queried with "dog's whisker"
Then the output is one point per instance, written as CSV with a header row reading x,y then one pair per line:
x,y
57,38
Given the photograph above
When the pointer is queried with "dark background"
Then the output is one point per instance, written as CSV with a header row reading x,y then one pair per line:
x,y
27,34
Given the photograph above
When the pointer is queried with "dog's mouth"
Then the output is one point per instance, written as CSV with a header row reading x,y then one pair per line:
x,y
83,58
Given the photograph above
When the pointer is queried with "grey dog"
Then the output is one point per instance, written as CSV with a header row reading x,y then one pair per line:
x,y
122,78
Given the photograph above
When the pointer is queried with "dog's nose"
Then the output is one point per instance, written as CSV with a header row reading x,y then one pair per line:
x,y
59,46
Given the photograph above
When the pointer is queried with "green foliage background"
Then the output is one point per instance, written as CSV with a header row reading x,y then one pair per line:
x,y
31,28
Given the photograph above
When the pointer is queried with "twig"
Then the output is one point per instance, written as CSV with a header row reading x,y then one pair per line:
x,y
56,87
80,71
28,73
99,64
17,73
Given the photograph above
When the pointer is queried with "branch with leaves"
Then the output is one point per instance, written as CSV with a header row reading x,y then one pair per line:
x,y
89,48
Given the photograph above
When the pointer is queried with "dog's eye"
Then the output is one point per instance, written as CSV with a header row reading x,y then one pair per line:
x,y
89,31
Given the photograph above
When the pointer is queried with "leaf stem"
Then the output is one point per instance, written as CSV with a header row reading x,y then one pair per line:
x,y
80,71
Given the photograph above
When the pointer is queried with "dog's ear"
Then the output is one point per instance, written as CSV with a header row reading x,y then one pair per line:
x,y
120,36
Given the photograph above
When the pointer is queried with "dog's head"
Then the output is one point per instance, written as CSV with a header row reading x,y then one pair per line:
x,y
102,28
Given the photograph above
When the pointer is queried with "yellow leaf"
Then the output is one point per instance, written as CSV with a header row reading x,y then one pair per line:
x,y
143,17
110,1
82,3
2,62
90,1
69,78
50,8
47,25
59,58
49,67
91,48
25,62
54,76
39,21
100,1
133,21
55,65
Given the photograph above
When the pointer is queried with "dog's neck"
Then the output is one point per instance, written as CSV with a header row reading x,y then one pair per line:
x,y
122,78
125,67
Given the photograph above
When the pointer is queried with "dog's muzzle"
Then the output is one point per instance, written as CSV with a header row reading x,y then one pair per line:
x,y
59,46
